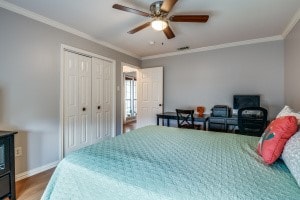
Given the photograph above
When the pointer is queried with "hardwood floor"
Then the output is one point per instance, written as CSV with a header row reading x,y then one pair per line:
x,y
32,188
129,126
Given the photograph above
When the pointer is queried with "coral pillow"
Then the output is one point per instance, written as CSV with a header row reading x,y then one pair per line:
x,y
272,141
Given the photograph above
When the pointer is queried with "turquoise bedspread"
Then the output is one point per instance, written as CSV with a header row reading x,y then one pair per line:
x,y
170,163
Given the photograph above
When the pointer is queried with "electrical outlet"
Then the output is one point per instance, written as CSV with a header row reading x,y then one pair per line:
x,y
18,151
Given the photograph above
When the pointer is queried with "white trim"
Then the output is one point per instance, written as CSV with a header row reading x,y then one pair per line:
x,y
122,91
61,106
291,25
122,98
221,46
53,23
61,103
114,98
87,53
50,22
35,171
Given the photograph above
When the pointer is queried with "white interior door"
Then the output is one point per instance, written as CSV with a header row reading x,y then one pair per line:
x,y
88,99
84,101
102,122
150,95
107,99
77,98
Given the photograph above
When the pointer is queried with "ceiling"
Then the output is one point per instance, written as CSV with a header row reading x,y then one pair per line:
x,y
230,21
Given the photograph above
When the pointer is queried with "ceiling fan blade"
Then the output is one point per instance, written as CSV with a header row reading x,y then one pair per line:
x,y
168,5
139,28
131,10
189,18
169,33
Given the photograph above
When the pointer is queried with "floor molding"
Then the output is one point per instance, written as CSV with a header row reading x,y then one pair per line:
x,y
35,171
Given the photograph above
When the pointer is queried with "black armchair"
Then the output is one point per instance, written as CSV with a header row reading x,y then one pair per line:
x,y
252,120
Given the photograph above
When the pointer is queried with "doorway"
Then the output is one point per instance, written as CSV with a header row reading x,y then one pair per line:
x,y
129,97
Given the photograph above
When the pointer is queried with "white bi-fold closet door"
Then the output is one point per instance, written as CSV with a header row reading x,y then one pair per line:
x,y
88,101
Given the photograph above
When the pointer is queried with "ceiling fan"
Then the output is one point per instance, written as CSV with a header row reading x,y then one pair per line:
x,y
159,12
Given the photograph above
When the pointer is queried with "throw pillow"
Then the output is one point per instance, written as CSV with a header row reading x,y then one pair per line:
x,y
272,141
288,111
291,156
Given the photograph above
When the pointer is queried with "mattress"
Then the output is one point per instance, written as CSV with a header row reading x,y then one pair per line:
x,y
158,162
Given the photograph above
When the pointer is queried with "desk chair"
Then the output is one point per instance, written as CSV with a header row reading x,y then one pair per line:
x,y
185,119
252,120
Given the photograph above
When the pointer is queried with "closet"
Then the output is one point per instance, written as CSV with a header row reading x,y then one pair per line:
x,y
87,100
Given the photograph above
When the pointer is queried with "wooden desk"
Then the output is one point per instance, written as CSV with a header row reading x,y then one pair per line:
x,y
173,116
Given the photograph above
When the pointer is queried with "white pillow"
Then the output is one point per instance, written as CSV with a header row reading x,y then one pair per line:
x,y
291,155
288,111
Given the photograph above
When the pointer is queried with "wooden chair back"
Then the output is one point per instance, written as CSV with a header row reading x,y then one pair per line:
x,y
185,118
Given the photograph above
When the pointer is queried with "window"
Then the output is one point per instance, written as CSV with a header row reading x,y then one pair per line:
x,y
130,96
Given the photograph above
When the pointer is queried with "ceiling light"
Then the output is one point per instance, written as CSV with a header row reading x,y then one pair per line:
x,y
159,24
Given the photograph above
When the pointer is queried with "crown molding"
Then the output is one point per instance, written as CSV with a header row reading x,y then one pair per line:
x,y
55,24
292,23
50,22
286,31
221,46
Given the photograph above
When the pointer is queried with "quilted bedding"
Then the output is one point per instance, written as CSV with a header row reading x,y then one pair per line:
x,y
157,162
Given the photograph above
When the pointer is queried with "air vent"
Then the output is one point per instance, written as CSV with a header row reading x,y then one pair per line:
x,y
183,48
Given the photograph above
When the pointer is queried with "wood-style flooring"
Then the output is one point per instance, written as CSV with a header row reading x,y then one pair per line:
x,y
32,188
129,126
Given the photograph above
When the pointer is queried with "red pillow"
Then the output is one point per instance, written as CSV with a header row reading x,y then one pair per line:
x,y
272,141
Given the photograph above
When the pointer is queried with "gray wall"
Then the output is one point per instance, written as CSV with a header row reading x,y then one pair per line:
x,y
29,84
292,68
213,77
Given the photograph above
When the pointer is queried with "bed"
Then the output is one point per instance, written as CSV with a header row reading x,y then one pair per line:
x,y
158,162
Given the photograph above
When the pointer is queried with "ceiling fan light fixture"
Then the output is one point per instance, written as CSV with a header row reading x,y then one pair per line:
x,y
159,13
159,24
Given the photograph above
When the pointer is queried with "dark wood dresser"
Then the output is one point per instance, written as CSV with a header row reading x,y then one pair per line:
x,y
7,165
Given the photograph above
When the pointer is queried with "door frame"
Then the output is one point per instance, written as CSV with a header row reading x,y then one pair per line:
x,y
61,85
123,90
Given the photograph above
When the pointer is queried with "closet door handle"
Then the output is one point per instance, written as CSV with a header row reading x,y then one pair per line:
x,y
83,109
99,107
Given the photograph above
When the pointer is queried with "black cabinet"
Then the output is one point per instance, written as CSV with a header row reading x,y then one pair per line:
x,y
7,165
222,124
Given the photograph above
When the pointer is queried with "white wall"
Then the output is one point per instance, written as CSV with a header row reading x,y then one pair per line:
x,y
29,84
213,77
292,68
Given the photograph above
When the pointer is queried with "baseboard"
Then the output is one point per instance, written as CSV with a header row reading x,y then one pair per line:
x,y
35,171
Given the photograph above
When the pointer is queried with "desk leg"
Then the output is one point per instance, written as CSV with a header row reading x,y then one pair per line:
x,y
168,122
157,121
204,126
